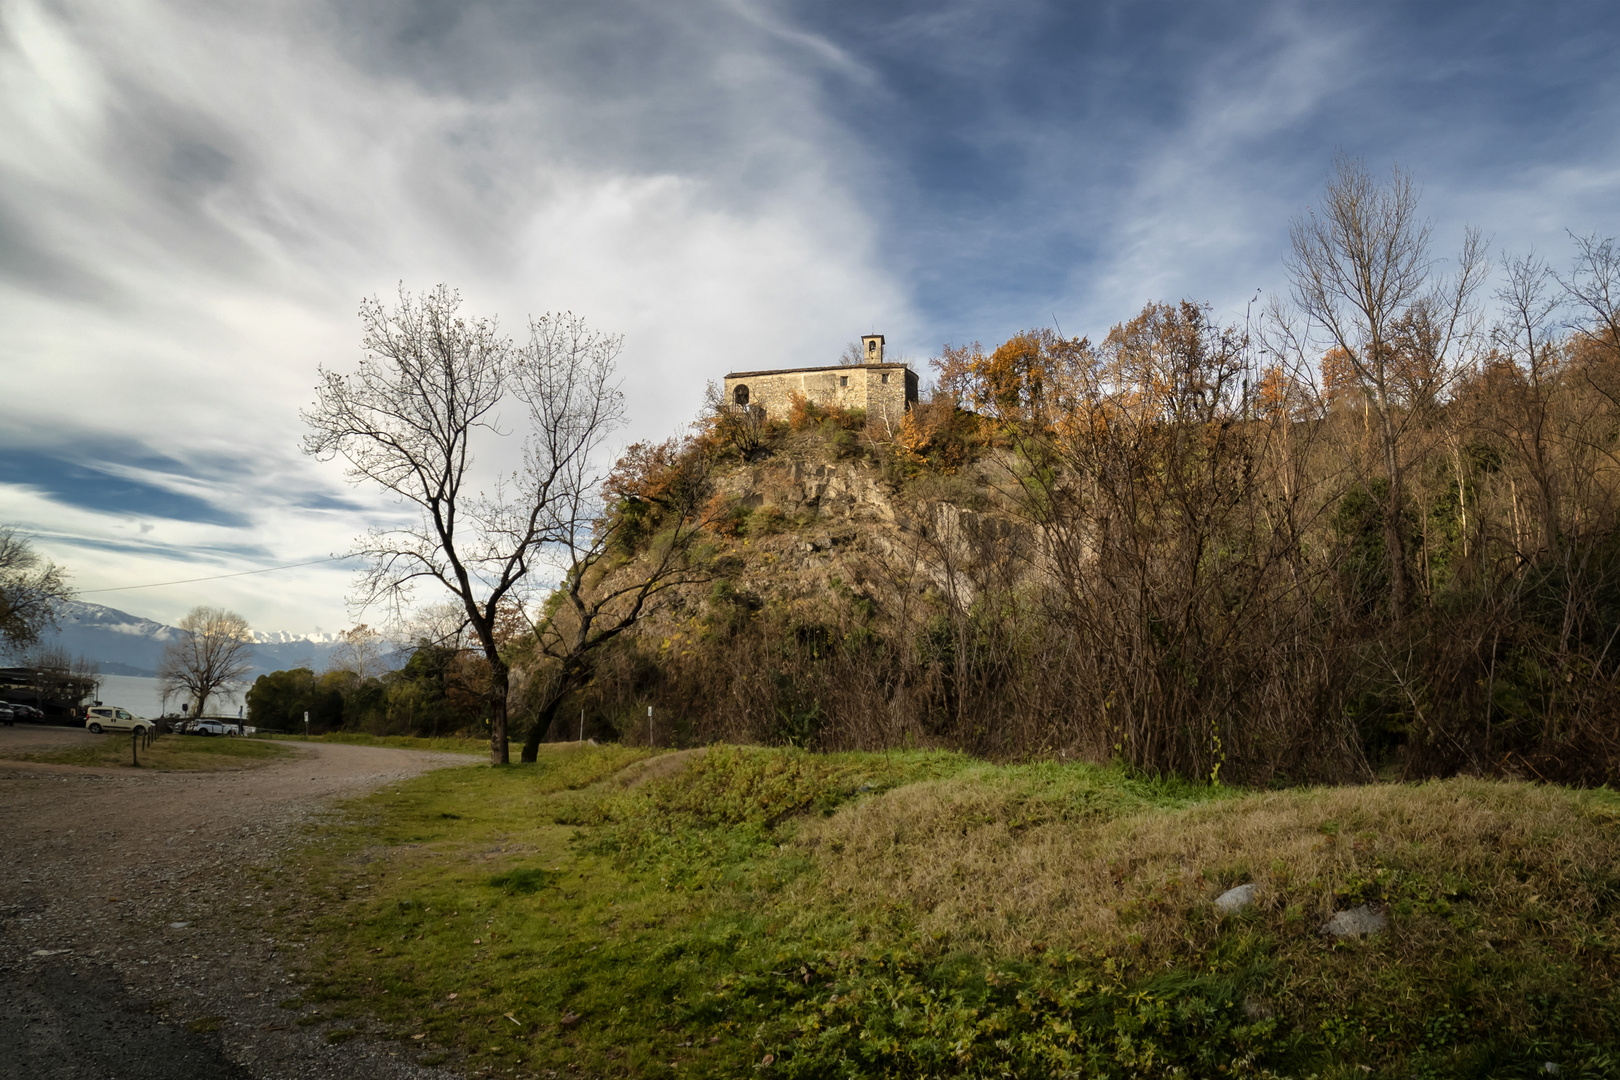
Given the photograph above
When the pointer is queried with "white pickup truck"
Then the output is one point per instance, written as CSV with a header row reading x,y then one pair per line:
x,y
99,718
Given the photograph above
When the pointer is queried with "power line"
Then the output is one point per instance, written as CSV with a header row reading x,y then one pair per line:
x,y
213,577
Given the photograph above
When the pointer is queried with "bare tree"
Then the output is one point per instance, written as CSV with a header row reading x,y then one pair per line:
x,y
213,655
606,589
360,651
1594,284
1524,336
738,425
61,677
428,388
1362,274
30,590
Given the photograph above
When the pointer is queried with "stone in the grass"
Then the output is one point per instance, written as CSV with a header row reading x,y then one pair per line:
x,y
1356,922
1237,899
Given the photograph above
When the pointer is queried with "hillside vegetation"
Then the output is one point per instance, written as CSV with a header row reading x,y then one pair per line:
x,y
1159,566
746,911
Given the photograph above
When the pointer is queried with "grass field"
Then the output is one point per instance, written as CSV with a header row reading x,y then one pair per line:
x,y
451,744
774,913
168,752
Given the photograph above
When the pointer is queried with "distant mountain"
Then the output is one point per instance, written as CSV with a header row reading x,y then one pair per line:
x,y
281,637
125,644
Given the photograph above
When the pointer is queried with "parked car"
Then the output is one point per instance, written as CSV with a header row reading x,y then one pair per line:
x,y
99,718
210,727
8,715
27,712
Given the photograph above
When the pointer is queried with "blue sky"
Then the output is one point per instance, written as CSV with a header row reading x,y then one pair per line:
x,y
195,196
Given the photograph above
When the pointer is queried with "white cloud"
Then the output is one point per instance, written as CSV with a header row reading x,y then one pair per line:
x,y
205,193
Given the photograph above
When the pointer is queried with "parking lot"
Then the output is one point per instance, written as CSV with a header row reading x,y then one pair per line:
x,y
25,738
131,922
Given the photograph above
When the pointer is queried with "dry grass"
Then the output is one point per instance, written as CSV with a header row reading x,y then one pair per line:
x,y
656,768
167,752
989,863
1495,891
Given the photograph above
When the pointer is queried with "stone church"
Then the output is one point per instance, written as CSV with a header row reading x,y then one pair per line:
x,y
883,389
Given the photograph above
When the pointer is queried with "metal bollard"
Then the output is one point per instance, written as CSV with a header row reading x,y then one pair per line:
x,y
135,741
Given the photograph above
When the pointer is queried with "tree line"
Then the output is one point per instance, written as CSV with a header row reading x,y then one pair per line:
x,y
428,687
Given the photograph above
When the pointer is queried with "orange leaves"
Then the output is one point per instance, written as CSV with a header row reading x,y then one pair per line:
x,y
647,471
912,438
1016,374
723,515
1171,363
958,368
802,412
1011,381
1271,395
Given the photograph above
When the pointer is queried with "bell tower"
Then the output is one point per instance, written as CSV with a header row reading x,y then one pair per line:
x,y
871,348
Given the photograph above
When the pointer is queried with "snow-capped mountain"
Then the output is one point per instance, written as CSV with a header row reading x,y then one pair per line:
x,y
125,644
282,637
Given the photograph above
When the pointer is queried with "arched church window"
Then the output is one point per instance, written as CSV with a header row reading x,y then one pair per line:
x,y
740,395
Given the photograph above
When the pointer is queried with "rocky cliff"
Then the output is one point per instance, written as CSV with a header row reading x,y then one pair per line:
x,y
807,523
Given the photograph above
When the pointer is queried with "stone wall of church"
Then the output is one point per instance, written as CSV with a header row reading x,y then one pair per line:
x,y
884,391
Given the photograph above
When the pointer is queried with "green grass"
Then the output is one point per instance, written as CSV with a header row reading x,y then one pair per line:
x,y
454,744
776,913
168,752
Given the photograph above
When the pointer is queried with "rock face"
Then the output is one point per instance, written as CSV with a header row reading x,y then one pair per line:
x,y
1357,922
1235,900
834,518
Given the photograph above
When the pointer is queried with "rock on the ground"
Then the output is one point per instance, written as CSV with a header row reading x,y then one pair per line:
x,y
1234,900
1356,922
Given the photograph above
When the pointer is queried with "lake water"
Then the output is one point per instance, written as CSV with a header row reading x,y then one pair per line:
x,y
141,696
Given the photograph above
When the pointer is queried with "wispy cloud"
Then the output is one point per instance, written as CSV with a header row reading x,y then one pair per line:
x,y
194,199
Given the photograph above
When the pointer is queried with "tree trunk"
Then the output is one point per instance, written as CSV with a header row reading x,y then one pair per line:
x,y
542,724
500,688
1394,510
1395,544
201,700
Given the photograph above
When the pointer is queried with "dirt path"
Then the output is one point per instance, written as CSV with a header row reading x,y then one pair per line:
x,y
116,887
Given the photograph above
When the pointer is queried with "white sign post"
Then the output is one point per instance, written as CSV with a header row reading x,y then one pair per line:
x,y
306,725
649,726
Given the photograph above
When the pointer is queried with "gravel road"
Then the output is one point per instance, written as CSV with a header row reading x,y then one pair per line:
x,y
114,884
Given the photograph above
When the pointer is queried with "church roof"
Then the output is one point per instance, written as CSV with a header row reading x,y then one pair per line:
x,y
828,367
